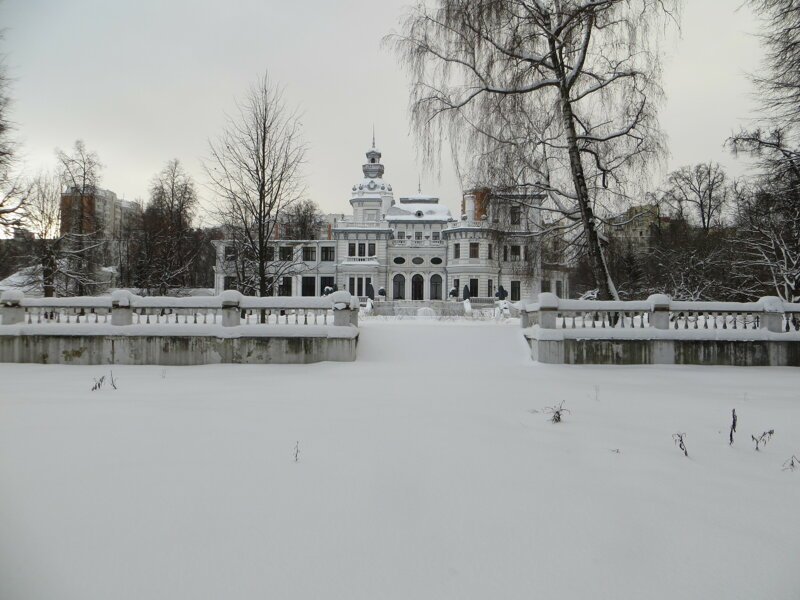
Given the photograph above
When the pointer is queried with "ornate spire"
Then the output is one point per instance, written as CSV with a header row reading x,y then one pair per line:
x,y
419,184
373,135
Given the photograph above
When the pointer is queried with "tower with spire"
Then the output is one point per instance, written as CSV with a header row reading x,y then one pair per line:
x,y
372,197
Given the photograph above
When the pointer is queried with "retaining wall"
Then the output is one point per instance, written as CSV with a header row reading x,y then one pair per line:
x,y
179,349
722,352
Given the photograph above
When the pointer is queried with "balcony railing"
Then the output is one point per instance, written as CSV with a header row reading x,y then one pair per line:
x,y
416,243
361,259
343,224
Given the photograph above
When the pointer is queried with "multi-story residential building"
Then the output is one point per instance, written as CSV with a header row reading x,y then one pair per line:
x,y
412,248
99,213
636,227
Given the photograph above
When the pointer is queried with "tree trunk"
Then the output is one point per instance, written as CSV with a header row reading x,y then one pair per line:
x,y
597,261
48,275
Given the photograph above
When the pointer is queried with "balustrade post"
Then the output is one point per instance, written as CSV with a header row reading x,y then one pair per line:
x,y
121,311
548,310
230,308
11,308
345,308
659,311
772,317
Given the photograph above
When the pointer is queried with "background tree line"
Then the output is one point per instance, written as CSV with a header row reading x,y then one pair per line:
x,y
62,246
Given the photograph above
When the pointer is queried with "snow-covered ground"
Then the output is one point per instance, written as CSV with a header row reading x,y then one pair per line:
x,y
426,469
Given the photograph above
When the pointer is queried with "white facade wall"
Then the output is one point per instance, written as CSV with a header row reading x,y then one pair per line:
x,y
414,244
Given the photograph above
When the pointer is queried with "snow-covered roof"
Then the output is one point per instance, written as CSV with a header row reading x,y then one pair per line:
x,y
419,199
368,187
412,211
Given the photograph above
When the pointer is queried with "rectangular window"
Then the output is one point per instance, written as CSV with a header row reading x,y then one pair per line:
x,y
505,253
457,251
559,288
490,251
456,284
473,288
515,296
435,236
417,235
270,253
546,286
474,250
490,288
351,249
326,283
230,252
401,235
371,250
229,283
285,288
309,286
328,254
309,254
360,286
362,249
515,254
516,215
286,253
352,289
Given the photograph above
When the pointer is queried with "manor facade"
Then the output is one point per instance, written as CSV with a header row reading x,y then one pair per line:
x,y
412,248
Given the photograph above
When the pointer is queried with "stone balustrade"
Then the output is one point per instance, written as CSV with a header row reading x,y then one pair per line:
x,y
662,331
125,328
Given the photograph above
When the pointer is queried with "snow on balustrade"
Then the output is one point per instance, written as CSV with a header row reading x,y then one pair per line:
x,y
228,309
659,312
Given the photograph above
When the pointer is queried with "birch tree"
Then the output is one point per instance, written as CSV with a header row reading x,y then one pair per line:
x,y
558,95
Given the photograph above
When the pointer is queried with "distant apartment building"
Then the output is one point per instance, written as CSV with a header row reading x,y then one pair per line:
x,y
99,213
636,227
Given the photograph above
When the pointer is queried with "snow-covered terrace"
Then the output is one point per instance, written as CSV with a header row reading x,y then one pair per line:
x,y
429,468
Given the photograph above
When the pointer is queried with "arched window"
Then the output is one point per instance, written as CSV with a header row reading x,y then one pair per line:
x,y
436,287
398,287
417,287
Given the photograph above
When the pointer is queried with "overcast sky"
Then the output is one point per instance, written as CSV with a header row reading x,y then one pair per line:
x,y
145,81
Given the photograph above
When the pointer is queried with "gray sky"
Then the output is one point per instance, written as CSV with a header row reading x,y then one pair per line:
x,y
145,81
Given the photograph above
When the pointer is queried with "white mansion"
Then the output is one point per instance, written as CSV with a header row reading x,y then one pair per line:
x,y
414,249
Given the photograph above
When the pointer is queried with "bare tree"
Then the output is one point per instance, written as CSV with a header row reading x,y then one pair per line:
x,y
167,248
768,209
768,244
11,195
698,193
779,81
775,141
43,220
302,221
254,169
81,221
555,94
